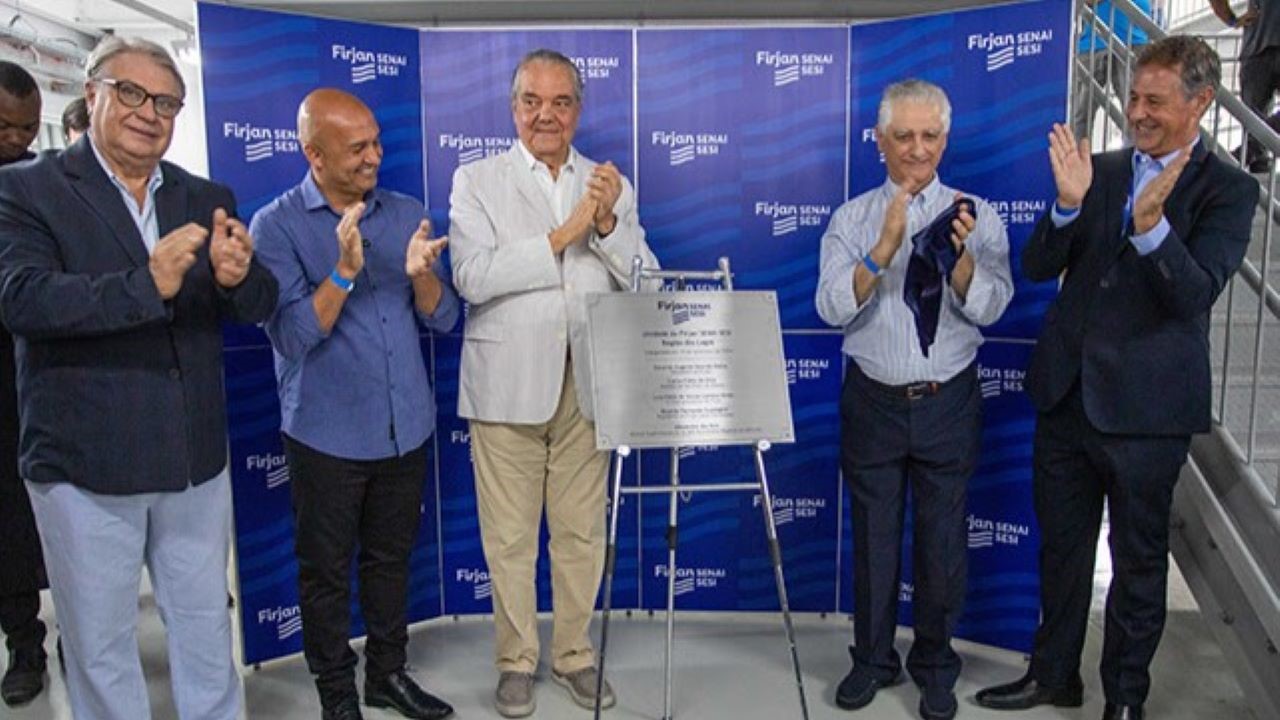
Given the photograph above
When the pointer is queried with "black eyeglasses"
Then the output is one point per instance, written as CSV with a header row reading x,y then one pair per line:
x,y
134,95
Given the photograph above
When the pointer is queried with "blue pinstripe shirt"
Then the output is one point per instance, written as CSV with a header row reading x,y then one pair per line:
x,y
880,334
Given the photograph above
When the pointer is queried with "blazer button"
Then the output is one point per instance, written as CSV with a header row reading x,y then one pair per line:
x,y
1104,283
175,373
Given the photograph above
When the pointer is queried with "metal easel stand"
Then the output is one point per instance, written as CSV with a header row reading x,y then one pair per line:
x,y
673,490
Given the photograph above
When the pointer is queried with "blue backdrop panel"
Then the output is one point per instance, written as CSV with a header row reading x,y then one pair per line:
x,y
741,148
722,557
268,574
804,478
466,92
1003,604
257,66
1005,71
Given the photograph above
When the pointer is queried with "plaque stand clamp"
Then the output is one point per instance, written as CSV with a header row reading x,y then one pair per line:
x,y
673,491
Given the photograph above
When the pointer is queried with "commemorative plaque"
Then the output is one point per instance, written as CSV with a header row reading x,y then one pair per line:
x,y
676,369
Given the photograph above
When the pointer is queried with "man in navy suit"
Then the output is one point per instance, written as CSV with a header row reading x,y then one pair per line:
x,y
116,273
21,570
1146,237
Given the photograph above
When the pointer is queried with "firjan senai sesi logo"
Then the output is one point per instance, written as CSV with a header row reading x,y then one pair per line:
x,y
682,312
288,620
596,67
806,369
261,143
985,533
474,147
789,67
786,218
685,147
994,382
478,579
1003,48
277,471
690,579
787,510
368,65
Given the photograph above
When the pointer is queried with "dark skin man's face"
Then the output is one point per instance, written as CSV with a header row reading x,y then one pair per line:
x,y
19,124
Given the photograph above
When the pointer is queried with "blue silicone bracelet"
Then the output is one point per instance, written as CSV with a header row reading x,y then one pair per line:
x,y
342,282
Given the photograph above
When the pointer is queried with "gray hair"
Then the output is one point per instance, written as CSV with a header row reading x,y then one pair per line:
x,y
918,91
114,45
550,56
1198,64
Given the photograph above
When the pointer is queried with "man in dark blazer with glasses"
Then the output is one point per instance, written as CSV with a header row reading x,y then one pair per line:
x,y
117,271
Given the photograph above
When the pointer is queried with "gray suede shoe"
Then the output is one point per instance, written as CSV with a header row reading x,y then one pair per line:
x,y
581,685
514,696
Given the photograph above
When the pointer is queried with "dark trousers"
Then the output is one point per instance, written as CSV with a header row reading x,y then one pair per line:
x,y
930,444
1259,80
337,502
1076,468
21,562
21,566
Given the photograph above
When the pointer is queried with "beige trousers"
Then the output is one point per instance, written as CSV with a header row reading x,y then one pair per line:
x,y
520,469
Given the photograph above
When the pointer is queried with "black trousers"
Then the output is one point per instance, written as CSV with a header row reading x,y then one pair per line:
x,y
337,503
889,443
1075,469
21,562
1259,81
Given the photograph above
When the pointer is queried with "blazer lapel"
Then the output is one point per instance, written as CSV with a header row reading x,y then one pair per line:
x,y
528,188
171,204
90,182
1121,194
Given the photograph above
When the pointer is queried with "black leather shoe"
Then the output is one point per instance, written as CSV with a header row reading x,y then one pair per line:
x,y
1121,712
937,703
1027,693
348,708
859,687
24,679
399,692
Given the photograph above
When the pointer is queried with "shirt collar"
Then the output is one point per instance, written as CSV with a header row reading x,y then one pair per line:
x,y
155,181
313,199
534,163
927,195
1140,158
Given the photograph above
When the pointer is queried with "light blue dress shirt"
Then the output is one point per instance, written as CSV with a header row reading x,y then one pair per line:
x,y
144,217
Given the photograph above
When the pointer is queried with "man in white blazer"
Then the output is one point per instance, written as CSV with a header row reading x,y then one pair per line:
x,y
533,232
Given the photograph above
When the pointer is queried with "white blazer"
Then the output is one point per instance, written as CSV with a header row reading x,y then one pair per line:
x,y
526,306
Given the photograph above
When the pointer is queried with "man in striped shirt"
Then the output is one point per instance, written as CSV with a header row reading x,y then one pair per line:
x,y
911,409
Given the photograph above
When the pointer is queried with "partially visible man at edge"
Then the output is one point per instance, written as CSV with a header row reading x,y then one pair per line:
x,y
21,567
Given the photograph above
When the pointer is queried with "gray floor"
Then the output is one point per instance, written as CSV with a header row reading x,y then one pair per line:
x,y
727,666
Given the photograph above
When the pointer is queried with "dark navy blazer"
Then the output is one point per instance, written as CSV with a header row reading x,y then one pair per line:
x,y
120,392
1134,329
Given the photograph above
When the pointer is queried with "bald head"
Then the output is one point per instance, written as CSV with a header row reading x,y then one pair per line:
x,y
327,106
339,137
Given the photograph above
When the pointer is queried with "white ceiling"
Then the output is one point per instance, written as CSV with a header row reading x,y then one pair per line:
x,y
94,16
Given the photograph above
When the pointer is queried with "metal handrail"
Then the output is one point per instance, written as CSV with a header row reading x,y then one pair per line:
x,y
1240,112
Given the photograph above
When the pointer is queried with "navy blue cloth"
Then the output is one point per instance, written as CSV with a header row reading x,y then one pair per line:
x,y
933,257
360,391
